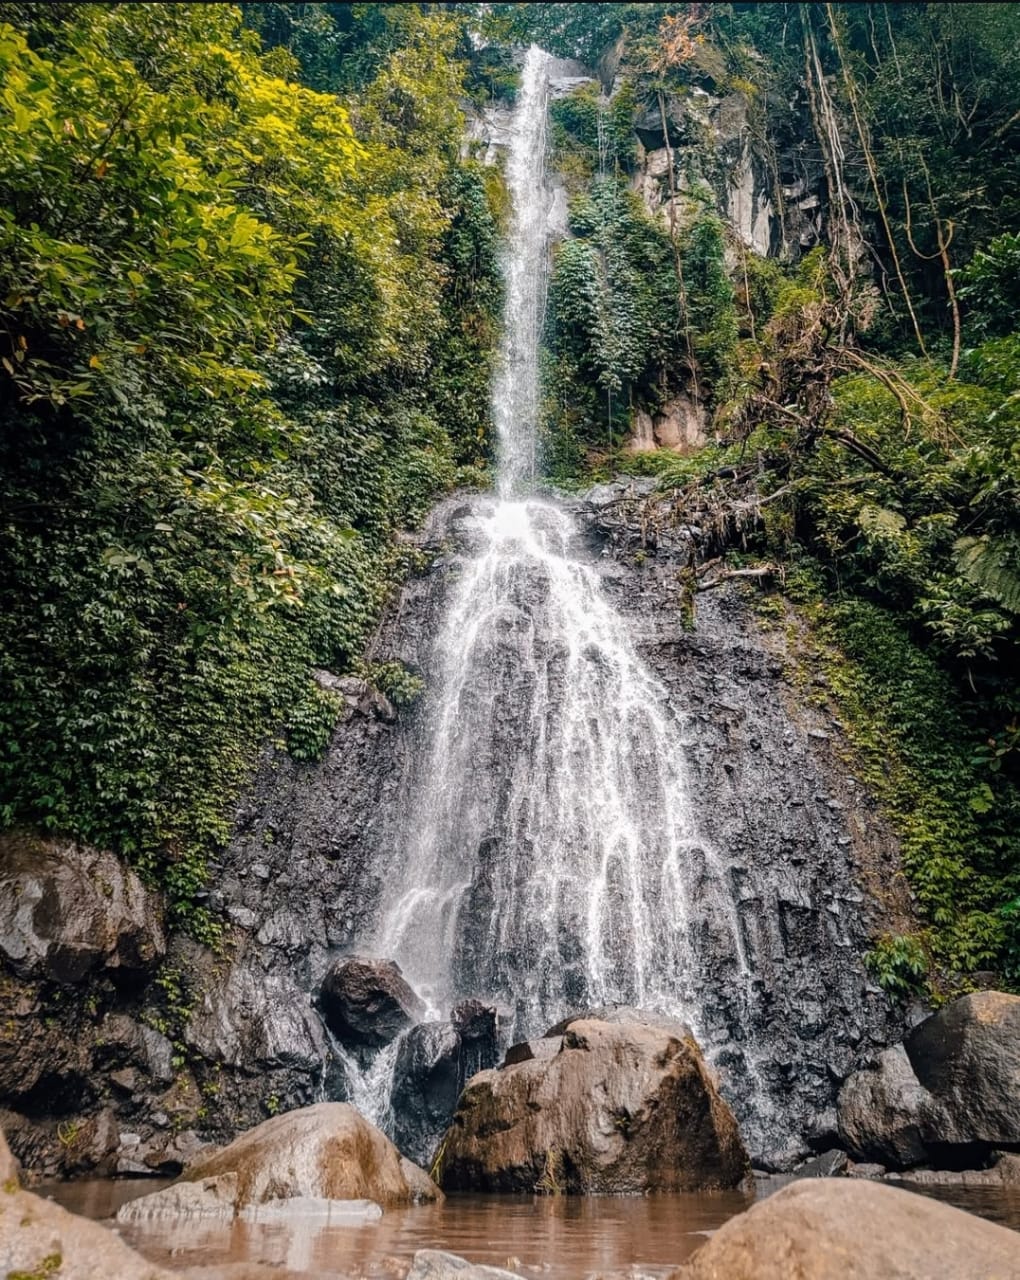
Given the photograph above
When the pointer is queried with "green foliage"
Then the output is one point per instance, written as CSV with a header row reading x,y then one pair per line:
x,y
990,285
246,331
899,963
612,322
312,721
402,687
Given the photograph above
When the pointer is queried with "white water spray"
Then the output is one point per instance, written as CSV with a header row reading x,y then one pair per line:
x,y
551,858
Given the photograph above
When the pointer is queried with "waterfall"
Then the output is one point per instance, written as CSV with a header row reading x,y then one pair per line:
x,y
551,860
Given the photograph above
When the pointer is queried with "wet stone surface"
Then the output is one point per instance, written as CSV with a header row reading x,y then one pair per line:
x,y
797,839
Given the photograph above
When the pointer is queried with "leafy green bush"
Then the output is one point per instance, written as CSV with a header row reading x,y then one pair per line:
x,y
248,329
899,963
312,721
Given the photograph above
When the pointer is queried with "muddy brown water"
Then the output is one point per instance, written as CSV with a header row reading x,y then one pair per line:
x,y
563,1238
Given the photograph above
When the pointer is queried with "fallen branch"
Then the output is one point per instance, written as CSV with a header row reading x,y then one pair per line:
x,y
763,571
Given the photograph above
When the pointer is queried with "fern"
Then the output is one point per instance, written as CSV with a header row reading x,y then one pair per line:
x,y
990,565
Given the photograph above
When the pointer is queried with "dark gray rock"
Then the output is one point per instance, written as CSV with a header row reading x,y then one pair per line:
x,y
885,1114
427,1081
968,1057
124,1045
367,1003
478,1025
251,1020
68,911
830,1164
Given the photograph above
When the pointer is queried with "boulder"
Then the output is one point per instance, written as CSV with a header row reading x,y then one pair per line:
x,y
39,1239
247,1018
830,1164
434,1264
9,1169
621,1107
846,1229
623,1013
325,1152
1003,1172
478,1025
885,1114
426,1084
968,1058
68,911
367,1003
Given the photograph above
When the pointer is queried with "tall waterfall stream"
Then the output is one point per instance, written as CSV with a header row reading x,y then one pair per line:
x,y
552,860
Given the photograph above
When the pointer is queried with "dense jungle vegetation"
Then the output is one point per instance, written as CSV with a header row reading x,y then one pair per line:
x,y
248,307
863,397
248,296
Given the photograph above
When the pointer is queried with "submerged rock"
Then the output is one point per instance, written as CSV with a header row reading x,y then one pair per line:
x,y
68,911
367,1003
434,1264
620,1108
968,1058
840,1229
325,1152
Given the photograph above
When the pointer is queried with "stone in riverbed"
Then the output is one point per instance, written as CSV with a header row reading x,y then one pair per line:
x,y
39,1239
847,1229
426,1085
367,1003
968,1058
620,1108
885,1114
325,1152
433,1264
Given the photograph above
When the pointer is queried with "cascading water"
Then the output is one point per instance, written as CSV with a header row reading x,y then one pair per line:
x,y
551,859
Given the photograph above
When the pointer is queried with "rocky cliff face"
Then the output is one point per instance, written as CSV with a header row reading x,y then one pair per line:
x,y
109,1067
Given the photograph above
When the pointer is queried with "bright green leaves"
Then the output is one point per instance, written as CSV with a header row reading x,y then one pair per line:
x,y
244,331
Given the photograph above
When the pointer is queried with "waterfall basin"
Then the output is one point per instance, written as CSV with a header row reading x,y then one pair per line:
x,y
561,1237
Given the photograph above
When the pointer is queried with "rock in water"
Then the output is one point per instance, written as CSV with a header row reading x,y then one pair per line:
x,y
620,1108
39,1239
433,1264
885,1114
968,1057
426,1084
844,1229
367,1003
325,1152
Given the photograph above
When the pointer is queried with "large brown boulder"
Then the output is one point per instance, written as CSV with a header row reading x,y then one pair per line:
x,y
367,1003
325,1152
968,1058
67,911
39,1239
843,1229
620,1108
